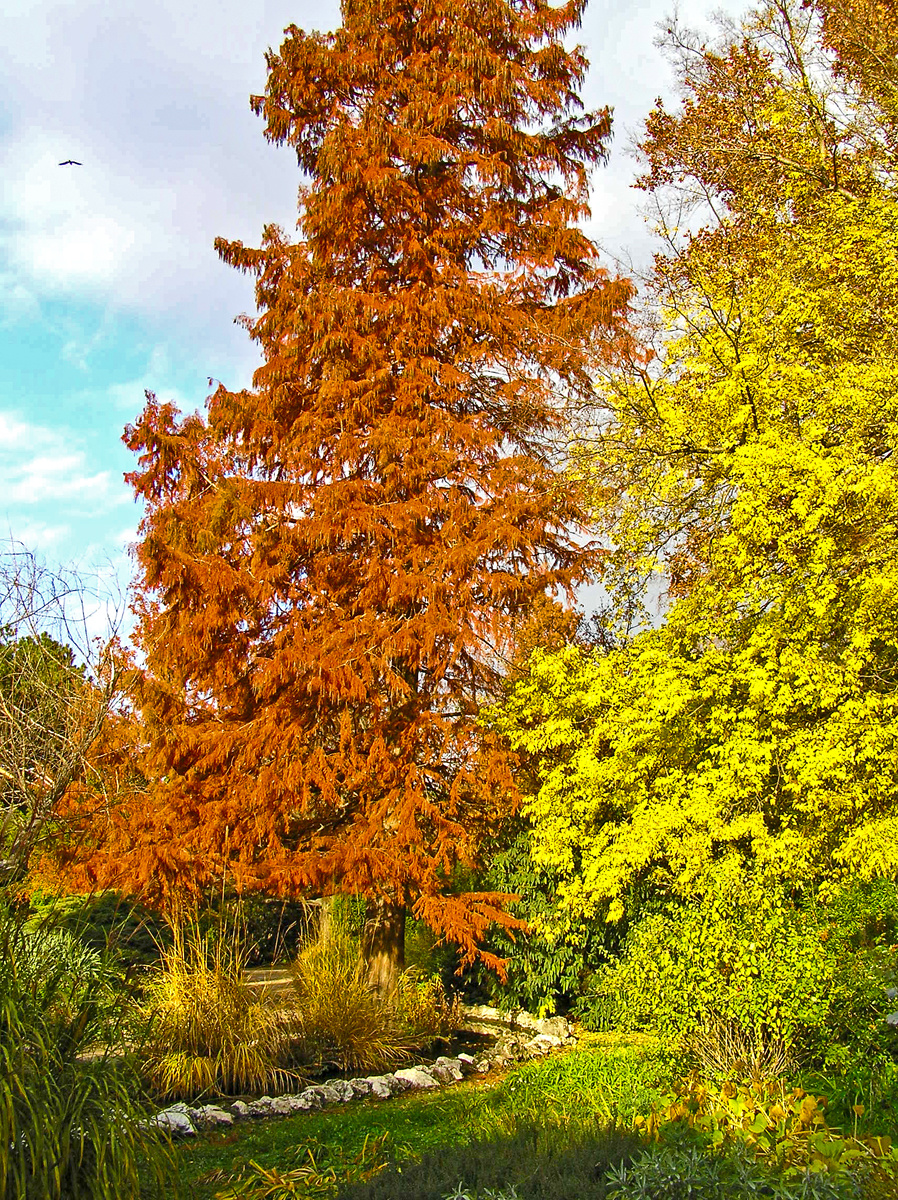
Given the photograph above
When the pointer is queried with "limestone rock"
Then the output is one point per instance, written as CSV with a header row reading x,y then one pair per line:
x,y
210,1115
419,1078
447,1070
174,1120
360,1087
385,1086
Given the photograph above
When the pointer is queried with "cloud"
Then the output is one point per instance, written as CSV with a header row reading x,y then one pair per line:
x,y
38,535
153,101
39,465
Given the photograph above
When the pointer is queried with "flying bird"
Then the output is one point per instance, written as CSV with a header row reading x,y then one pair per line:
x,y
70,162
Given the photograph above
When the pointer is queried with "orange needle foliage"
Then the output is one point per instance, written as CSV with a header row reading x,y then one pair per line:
x,y
333,564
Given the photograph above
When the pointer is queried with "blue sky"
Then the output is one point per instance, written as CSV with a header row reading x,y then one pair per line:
x,y
109,284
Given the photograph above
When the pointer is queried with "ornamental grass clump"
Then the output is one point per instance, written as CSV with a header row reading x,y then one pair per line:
x,y
208,1031
422,1002
72,1111
343,1021
723,1049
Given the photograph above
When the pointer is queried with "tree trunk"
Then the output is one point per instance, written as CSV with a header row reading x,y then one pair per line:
x,y
326,918
385,944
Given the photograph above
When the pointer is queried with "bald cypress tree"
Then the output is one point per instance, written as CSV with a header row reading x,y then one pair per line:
x,y
333,563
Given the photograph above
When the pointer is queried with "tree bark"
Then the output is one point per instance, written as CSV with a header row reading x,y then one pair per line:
x,y
384,944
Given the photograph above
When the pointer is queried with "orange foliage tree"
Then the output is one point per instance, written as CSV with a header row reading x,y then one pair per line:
x,y
333,564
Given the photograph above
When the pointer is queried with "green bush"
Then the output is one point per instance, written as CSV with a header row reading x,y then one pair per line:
x,y
784,1128
806,976
103,921
690,1173
547,967
71,1109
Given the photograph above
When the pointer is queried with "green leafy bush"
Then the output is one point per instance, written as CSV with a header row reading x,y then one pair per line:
x,y
860,1087
71,1108
547,967
104,921
784,1127
796,974
690,1173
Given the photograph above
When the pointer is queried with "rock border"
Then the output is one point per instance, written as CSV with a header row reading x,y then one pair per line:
x,y
528,1038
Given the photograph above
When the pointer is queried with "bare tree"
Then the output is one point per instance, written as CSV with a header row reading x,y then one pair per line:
x,y
59,679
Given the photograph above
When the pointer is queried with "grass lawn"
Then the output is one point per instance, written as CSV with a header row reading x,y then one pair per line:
x,y
605,1079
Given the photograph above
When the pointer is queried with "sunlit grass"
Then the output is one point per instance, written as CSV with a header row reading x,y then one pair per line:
x,y
484,1120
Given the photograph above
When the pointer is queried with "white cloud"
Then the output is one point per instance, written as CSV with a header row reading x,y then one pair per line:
x,y
153,101
38,535
38,465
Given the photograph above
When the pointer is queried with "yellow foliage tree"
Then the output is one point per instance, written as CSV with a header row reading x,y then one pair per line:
x,y
745,453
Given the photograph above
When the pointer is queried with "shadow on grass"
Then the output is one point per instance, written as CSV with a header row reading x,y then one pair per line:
x,y
541,1162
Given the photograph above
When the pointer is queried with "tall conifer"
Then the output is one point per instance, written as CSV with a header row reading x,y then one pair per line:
x,y
332,563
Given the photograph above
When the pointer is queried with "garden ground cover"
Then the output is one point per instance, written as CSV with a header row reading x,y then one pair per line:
x,y
607,1079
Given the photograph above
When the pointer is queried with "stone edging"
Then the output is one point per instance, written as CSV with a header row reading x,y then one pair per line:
x,y
512,1046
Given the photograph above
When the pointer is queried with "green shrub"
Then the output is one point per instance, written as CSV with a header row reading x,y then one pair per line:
x,y
71,1108
104,921
690,1173
207,1031
785,1128
780,972
547,968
